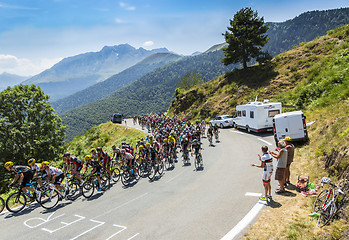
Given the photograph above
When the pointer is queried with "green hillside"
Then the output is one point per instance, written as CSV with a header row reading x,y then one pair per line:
x,y
115,82
304,28
151,93
314,78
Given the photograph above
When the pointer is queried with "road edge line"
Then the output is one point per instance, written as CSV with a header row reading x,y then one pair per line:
x,y
244,222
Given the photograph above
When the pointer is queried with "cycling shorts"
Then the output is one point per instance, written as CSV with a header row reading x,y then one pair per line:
x,y
267,172
59,179
28,176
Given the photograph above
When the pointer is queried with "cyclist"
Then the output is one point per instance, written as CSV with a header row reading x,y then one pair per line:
x,y
96,169
210,133
172,145
37,170
66,163
130,161
165,148
104,158
216,132
54,175
24,175
76,166
116,153
196,146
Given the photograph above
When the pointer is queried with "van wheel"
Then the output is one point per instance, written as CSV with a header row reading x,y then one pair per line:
x,y
222,126
248,129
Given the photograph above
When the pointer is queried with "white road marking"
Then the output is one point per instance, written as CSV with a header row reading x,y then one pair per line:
x,y
122,229
132,200
244,222
133,236
260,139
237,132
250,194
100,224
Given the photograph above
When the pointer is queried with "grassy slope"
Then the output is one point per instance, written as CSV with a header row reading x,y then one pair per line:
x,y
314,77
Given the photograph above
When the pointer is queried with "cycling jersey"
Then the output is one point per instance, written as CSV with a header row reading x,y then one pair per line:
x,y
27,174
96,166
77,162
268,167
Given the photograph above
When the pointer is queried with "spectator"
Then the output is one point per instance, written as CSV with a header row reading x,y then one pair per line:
x,y
281,156
290,154
267,165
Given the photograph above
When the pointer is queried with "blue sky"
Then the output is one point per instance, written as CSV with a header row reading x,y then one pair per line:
x,y
35,34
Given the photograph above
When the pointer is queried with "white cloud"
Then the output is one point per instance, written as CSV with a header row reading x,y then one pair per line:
x,y
23,66
126,6
118,20
148,44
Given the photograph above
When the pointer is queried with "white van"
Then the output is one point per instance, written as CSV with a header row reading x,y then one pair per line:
x,y
257,116
290,124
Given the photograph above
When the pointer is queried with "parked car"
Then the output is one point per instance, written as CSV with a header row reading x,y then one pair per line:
x,y
117,118
222,121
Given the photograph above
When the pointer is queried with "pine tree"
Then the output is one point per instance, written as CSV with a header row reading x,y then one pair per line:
x,y
245,38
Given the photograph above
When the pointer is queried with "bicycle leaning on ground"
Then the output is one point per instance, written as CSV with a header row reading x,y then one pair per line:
x,y
328,202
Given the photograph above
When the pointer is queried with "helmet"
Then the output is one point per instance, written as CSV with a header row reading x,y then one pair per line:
x,y
165,139
141,147
123,151
114,146
67,154
99,149
195,140
8,164
93,150
288,139
45,164
147,144
88,157
30,161
325,180
117,150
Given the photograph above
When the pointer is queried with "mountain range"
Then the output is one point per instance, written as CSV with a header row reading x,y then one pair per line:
x,y
114,82
7,79
75,73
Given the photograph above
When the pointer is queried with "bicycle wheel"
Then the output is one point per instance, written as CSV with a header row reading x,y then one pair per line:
x,y
105,180
320,200
197,162
2,204
125,178
74,191
115,173
326,215
16,202
87,189
201,162
49,198
161,168
152,173
167,163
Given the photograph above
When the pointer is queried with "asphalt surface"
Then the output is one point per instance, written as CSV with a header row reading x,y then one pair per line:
x,y
181,204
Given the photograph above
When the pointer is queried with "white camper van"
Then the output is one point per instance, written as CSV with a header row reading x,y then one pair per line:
x,y
256,116
290,124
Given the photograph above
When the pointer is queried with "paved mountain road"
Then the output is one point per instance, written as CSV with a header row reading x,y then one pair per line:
x,y
182,204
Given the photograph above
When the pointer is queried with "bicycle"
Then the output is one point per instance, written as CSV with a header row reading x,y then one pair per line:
x,y
328,202
185,157
156,168
2,204
129,175
199,163
168,161
210,138
115,171
18,200
216,136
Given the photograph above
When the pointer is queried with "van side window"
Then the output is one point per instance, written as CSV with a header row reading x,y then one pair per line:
x,y
251,114
239,113
272,113
244,113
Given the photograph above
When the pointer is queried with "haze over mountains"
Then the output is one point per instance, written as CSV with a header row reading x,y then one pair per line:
x,y
75,73
7,79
